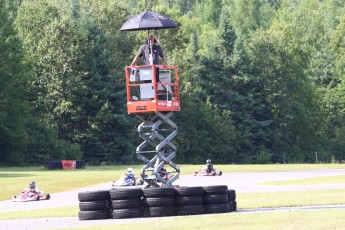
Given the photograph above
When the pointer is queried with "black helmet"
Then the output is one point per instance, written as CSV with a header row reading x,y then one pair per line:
x,y
32,185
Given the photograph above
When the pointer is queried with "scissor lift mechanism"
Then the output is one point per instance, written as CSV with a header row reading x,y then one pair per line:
x,y
153,98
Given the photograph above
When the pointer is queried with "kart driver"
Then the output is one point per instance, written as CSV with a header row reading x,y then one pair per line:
x,y
32,190
130,178
209,166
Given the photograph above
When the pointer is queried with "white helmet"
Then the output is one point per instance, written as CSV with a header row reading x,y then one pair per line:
x,y
129,170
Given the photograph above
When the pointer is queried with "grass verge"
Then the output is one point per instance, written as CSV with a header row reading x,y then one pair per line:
x,y
311,219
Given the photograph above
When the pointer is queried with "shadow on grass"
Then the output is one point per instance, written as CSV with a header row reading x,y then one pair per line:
x,y
11,175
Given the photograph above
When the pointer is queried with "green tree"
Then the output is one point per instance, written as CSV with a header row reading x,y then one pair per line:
x,y
13,88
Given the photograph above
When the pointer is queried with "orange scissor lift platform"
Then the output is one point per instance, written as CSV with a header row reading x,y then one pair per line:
x,y
153,95
152,88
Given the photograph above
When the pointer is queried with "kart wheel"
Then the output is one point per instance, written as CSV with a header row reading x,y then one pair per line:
x,y
220,173
38,197
48,196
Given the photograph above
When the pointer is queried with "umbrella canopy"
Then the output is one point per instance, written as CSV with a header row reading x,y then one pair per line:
x,y
148,21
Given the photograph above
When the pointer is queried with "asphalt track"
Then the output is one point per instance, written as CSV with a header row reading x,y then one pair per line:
x,y
241,182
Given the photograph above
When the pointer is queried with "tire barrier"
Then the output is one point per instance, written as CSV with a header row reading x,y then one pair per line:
x,y
189,201
126,202
94,205
159,202
136,202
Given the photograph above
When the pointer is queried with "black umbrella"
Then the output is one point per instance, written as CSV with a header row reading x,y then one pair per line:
x,y
148,21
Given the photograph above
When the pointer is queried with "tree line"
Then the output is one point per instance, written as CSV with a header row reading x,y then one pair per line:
x,y
261,81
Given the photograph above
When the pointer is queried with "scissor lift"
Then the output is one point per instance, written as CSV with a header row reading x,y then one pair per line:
x,y
153,95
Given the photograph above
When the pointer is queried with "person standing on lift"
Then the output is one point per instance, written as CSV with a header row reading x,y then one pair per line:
x,y
150,58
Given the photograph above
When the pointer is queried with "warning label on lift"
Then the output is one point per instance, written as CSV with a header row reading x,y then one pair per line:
x,y
168,103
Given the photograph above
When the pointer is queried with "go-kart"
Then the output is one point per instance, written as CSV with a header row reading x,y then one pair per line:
x,y
125,182
25,196
205,172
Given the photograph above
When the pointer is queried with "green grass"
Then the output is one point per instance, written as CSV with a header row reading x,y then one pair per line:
x,y
67,211
290,199
309,181
312,219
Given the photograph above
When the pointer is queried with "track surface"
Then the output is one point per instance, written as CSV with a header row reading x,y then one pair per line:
x,y
241,182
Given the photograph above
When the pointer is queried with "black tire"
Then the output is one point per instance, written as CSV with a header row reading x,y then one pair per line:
x,y
189,191
220,173
217,208
189,200
94,205
216,190
159,211
125,193
128,203
215,199
159,192
233,206
190,210
231,194
158,201
94,195
94,215
127,213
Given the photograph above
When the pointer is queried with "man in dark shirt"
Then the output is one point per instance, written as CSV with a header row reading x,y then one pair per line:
x,y
144,52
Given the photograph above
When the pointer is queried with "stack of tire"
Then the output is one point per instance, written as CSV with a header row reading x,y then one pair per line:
x,y
126,202
94,205
189,201
158,202
216,199
232,200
